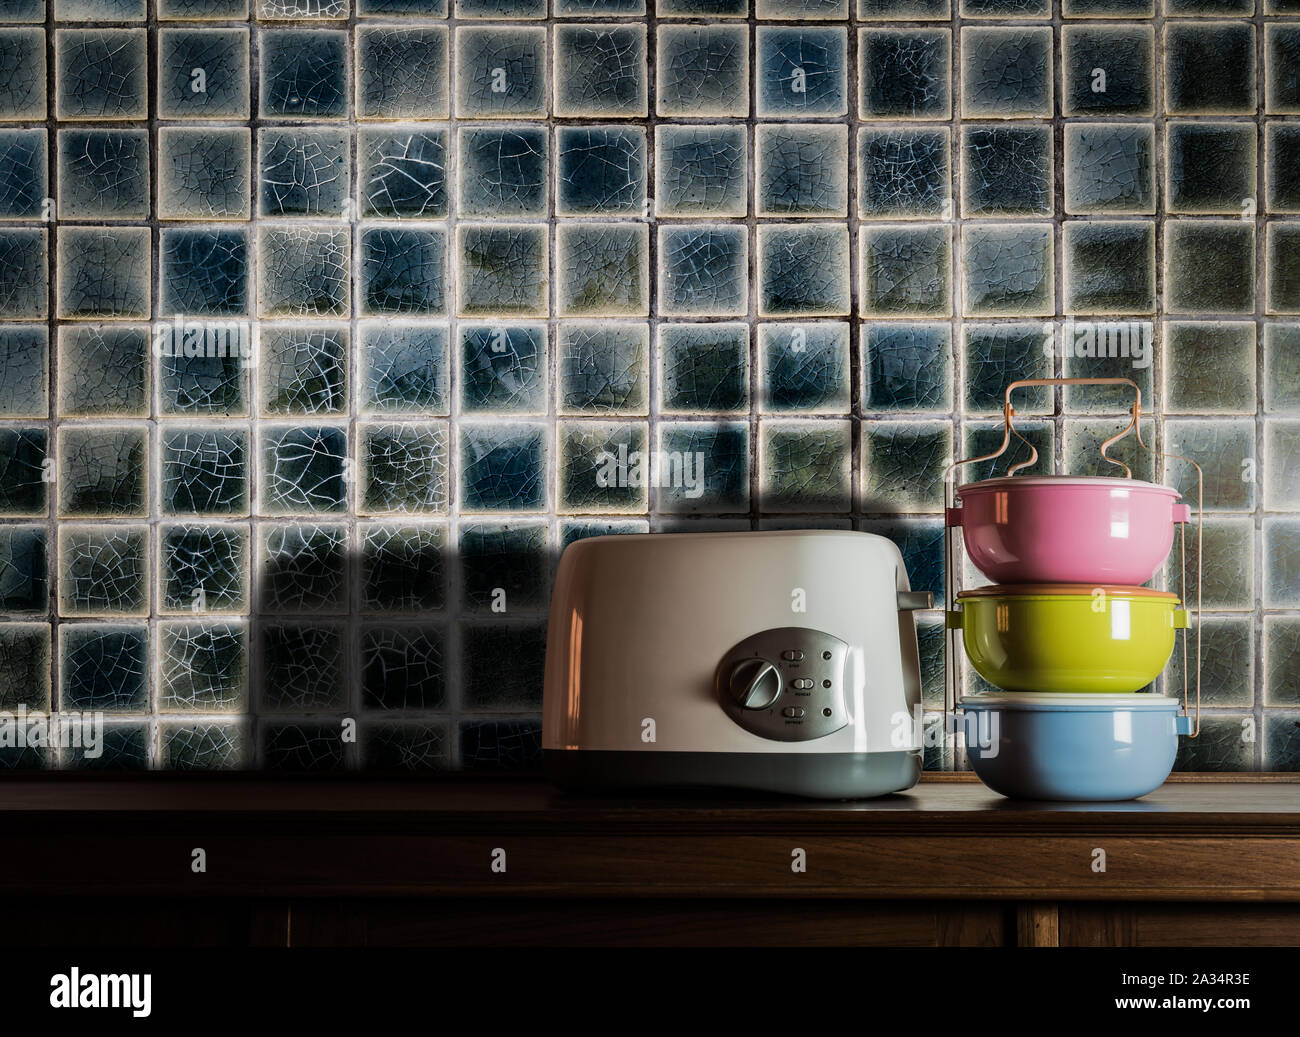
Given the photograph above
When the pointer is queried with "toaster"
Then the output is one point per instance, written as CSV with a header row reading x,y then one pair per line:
x,y
781,661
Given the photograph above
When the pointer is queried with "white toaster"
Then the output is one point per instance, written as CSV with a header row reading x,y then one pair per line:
x,y
781,661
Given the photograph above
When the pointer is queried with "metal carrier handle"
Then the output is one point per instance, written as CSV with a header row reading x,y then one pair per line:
x,y
1008,430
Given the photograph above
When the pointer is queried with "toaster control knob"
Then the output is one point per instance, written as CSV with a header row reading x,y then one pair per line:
x,y
755,683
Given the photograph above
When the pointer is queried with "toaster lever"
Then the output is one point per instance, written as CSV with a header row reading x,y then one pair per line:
x,y
911,601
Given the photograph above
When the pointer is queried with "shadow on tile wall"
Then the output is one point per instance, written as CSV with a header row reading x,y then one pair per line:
x,y
326,324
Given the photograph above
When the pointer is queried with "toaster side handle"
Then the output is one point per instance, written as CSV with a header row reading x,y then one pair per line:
x,y
912,601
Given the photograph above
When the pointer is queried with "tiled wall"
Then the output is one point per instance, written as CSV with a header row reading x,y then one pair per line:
x,y
463,254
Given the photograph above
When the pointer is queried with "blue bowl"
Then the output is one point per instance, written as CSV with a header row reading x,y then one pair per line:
x,y
1075,748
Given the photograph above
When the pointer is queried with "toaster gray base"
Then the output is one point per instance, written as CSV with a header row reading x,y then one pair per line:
x,y
815,775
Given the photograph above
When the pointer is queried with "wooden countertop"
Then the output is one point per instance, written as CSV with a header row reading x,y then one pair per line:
x,y
946,838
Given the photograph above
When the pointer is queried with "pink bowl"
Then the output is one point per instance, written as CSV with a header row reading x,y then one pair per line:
x,y
1068,529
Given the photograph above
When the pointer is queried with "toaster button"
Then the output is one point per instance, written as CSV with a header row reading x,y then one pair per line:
x,y
792,655
803,683
792,711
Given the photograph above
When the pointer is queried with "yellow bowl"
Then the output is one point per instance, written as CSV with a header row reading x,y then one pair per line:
x,y
1068,637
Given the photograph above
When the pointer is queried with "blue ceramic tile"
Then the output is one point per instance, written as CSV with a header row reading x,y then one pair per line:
x,y
1229,572
404,468
24,371
403,667
504,568
1281,372
1283,264
1209,367
203,73
1005,8
304,73
985,438
287,10
804,10
303,470
803,271
600,171
415,746
101,73
402,72
1209,266
602,467
1222,745
1282,185
404,368
611,8
703,467
602,368
501,9
1208,8
1108,349
202,746
213,384
1282,68
1083,440
103,272
25,11
503,171
23,482
302,171
1225,450
921,543
235,10
1211,167
805,466
1210,68
24,174
904,173
1110,268
1008,171
580,529
102,471
403,568
907,367
502,667
204,472
801,71
204,174
1108,70
1282,465
904,73
24,285
1282,742
203,568
805,367
24,583
403,173
25,666
1006,72
103,174
304,271
22,88
103,570
605,71
603,269
703,368
703,71
704,271
501,72
501,270
1108,8
303,569
303,370
904,10
303,747
802,170
103,371
1008,269
702,8
999,354
1227,663
204,272
123,747
103,667
701,171
1282,563
202,667
502,467
506,745
903,465
1109,168
1281,661
404,271
906,271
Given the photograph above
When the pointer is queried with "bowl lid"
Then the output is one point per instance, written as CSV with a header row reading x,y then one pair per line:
x,y
1039,700
1115,481
1059,590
